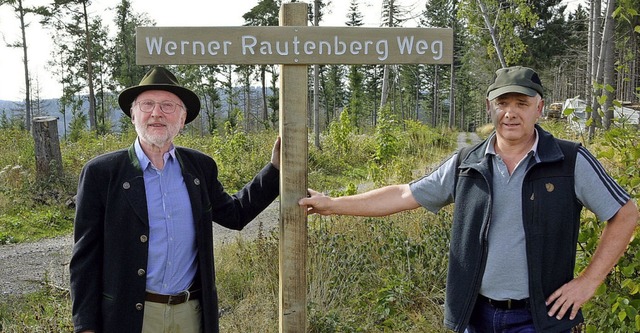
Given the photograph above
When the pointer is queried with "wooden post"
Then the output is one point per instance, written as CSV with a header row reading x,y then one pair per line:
x,y
47,148
293,184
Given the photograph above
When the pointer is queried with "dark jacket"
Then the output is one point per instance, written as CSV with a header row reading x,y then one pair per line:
x,y
109,261
551,215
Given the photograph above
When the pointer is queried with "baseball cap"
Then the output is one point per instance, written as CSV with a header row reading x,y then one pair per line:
x,y
516,79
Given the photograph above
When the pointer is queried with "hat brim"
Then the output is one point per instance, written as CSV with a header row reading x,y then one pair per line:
x,y
511,89
188,97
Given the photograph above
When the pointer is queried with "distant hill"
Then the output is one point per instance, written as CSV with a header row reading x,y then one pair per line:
x,y
50,107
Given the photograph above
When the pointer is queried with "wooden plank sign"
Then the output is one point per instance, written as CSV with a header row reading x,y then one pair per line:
x,y
293,45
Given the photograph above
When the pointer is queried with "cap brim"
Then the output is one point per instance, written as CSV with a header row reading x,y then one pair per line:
x,y
511,89
188,97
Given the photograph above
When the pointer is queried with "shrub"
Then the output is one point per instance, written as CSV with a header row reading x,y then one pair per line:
x,y
615,306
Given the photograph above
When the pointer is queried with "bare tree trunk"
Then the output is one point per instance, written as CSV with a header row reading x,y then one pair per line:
x,y
263,82
92,99
316,84
436,103
590,53
247,107
417,98
385,86
452,99
607,53
492,33
595,62
630,83
27,81
601,73
385,74
434,111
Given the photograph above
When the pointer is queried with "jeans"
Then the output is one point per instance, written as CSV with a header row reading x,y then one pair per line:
x,y
487,319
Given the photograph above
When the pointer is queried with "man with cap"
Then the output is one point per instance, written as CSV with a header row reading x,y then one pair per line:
x,y
518,196
143,254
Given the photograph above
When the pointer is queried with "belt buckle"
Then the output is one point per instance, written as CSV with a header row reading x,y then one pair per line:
x,y
509,304
175,298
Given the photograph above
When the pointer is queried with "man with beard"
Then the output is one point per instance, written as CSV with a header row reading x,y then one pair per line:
x,y
143,254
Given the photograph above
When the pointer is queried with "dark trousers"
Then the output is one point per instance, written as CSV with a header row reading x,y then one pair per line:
x,y
489,319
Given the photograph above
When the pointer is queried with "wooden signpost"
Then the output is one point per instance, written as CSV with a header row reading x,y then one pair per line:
x,y
294,45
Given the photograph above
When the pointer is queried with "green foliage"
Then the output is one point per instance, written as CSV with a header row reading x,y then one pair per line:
x,y
377,274
247,281
87,145
341,133
387,142
30,208
344,157
615,306
409,149
47,310
31,224
10,123
386,136
508,19
239,156
350,157
78,125
620,148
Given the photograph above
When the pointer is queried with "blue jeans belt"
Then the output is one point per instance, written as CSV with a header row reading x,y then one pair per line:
x,y
509,304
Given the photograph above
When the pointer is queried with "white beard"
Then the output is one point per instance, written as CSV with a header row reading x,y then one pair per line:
x,y
157,138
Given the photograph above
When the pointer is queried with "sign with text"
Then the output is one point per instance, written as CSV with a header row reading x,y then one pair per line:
x,y
292,45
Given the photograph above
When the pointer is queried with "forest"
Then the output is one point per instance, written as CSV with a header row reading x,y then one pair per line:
x,y
589,52
369,125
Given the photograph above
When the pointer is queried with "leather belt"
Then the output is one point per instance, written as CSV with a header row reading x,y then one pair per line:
x,y
509,304
180,298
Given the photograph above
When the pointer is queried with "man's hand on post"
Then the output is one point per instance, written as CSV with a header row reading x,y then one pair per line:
x,y
275,154
316,202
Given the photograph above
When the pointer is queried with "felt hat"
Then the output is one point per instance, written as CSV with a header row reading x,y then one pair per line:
x,y
518,79
159,78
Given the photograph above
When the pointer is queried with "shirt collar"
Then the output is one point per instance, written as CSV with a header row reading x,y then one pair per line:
x,y
492,140
145,161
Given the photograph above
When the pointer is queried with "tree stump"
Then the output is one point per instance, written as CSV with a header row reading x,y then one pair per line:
x,y
47,148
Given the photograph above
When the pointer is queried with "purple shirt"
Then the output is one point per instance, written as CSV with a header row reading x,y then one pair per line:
x,y
172,240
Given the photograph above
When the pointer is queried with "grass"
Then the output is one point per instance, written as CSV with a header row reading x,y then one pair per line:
x,y
45,311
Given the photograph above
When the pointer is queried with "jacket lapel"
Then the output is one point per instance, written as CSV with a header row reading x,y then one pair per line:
x,y
132,184
194,186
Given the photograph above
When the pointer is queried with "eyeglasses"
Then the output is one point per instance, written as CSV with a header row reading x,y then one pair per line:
x,y
147,106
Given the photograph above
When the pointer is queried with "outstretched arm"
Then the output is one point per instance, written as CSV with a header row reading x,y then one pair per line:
x,y
379,202
613,242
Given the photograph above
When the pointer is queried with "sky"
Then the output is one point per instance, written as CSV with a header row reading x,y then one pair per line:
x,y
190,13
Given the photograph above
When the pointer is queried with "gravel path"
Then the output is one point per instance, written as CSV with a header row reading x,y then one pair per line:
x,y
467,139
28,266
